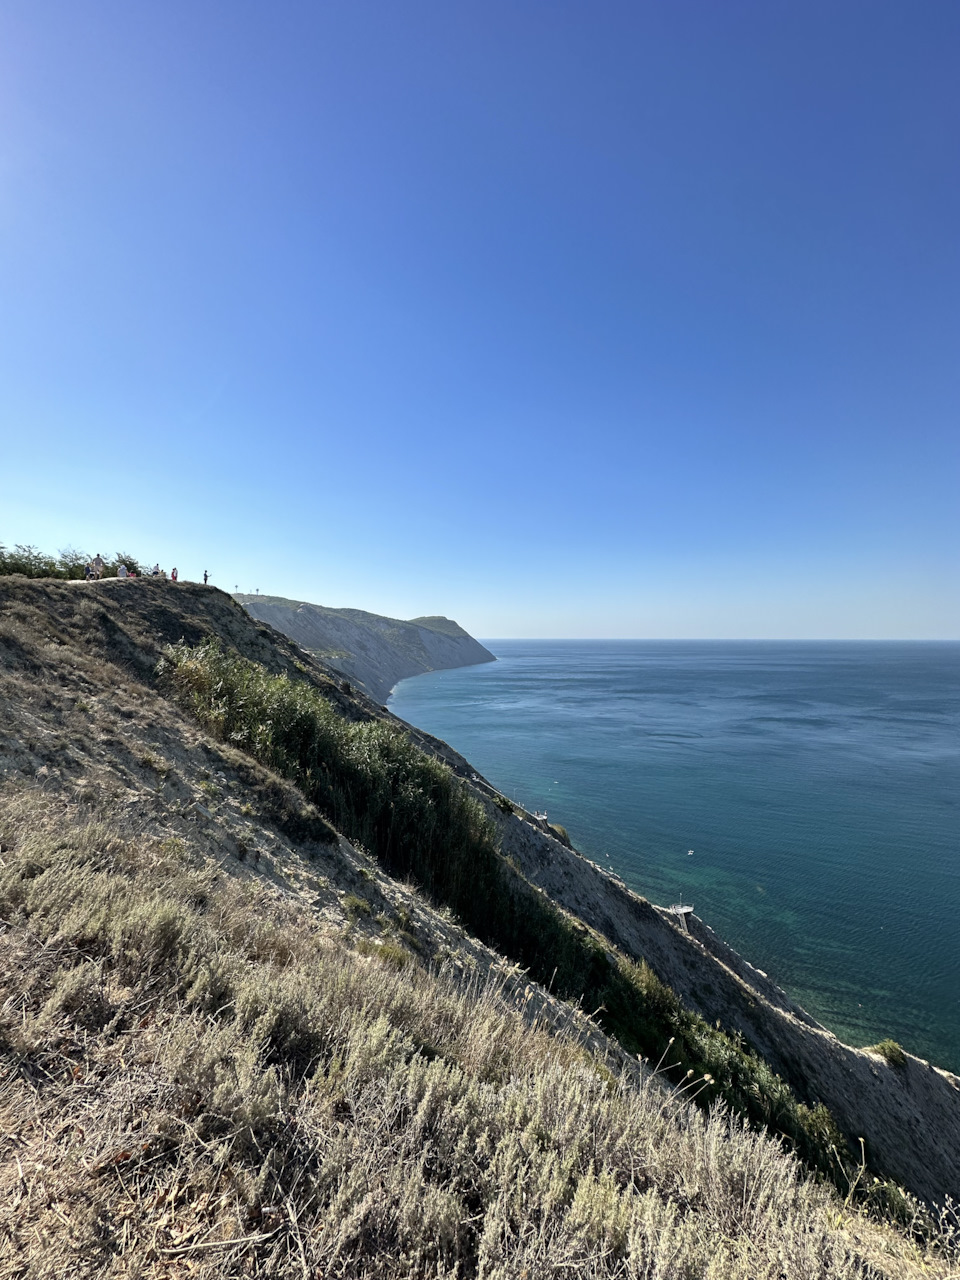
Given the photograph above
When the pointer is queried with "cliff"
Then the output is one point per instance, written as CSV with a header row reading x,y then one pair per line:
x,y
237,1039
372,651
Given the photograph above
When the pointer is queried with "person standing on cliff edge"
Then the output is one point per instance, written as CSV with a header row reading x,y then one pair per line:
x,y
204,577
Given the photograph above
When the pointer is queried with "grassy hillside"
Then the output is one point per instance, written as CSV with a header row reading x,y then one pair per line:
x,y
388,795
199,1080
235,1040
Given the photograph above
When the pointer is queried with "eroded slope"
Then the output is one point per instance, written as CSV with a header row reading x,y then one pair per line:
x,y
82,720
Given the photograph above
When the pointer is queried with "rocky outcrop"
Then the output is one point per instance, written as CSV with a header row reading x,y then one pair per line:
x,y
372,651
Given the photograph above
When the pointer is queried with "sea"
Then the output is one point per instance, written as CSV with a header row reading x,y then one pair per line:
x,y
804,797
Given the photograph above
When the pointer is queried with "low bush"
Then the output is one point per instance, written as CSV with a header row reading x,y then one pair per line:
x,y
70,564
31,563
356,907
892,1052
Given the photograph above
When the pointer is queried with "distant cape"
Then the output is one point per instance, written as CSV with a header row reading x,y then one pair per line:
x,y
373,652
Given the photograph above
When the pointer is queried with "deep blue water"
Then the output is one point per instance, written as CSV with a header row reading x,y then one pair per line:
x,y
817,783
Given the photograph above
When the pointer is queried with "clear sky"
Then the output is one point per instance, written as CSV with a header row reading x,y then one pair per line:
x,y
563,319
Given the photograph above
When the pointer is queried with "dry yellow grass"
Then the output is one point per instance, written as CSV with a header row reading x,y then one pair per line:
x,y
199,1079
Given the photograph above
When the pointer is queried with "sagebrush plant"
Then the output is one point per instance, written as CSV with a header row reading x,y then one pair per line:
x,y
415,816
196,1079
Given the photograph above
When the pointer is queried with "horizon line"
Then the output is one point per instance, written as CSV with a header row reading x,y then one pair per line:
x,y
729,639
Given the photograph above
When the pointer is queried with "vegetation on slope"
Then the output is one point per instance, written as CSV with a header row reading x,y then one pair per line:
x,y
208,1068
69,564
196,1079
410,811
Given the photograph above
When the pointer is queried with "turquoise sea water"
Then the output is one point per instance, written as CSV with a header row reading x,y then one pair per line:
x,y
818,785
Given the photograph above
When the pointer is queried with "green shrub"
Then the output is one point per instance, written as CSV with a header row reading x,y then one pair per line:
x,y
356,907
69,564
368,779
28,561
892,1051
132,563
393,954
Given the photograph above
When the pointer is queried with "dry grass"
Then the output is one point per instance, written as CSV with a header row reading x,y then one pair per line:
x,y
380,789
203,1074
199,1080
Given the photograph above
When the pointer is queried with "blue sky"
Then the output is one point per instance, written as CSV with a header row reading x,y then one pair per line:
x,y
563,319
